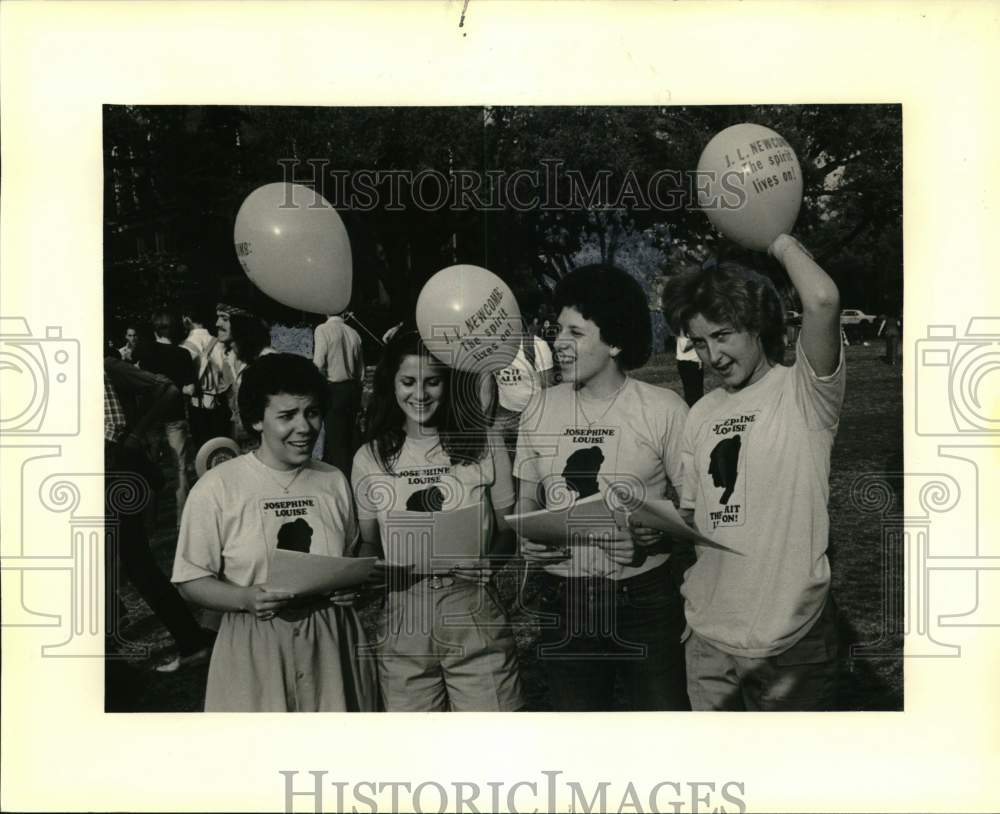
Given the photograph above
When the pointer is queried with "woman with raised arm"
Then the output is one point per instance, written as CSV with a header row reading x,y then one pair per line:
x,y
756,478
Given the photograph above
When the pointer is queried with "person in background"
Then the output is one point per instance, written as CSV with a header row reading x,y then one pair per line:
x,y
689,369
534,326
134,402
162,356
337,353
764,626
209,415
530,371
892,331
127,351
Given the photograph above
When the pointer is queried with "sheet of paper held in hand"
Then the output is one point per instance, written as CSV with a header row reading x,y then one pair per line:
x,y
433,541
312,574
568,526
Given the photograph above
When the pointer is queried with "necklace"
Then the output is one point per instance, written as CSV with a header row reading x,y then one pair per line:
x,y
614,397
270,472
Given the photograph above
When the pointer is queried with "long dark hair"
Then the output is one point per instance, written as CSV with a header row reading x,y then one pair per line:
x,y
461,420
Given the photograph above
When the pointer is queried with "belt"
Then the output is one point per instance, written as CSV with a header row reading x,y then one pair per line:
x,y
593,584
434,582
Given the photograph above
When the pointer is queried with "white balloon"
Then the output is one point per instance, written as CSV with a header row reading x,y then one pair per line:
x,y
469,319
750,185
293,246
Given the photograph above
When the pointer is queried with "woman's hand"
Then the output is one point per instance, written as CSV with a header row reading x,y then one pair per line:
x,y
478,571
345,597
264,603
643,535
619,547
542,554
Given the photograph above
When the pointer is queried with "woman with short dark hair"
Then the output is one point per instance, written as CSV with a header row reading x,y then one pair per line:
x,y
615,596
275,652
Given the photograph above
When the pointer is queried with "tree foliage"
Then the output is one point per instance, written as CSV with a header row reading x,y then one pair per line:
x,y
176,176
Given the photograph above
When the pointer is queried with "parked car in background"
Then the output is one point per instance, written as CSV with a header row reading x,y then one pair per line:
x,y
852,316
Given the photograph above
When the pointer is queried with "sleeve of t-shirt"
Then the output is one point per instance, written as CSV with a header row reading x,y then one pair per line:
x,y
344,504
543,355
365,484
526,463
502,491
672,442
689,478
818,398
199,542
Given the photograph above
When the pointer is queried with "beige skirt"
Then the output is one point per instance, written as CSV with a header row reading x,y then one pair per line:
x,y
314,659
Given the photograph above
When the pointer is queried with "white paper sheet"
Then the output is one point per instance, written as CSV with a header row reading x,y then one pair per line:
x,y
312,574
568,526
433,541
573,525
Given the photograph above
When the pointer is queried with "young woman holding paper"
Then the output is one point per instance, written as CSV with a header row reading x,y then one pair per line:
x,y
275,652
615,595
446,643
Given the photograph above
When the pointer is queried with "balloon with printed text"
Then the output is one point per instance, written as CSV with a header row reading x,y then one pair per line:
x,y
750,185
293,246
469,319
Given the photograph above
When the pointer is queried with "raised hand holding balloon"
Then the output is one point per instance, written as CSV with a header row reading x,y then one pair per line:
x,y
293,246
750,185
469,319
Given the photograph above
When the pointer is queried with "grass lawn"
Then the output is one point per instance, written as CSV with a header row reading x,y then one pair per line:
x,y
869,441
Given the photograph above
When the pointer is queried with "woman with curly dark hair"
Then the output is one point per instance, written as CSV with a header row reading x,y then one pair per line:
x,y
614,592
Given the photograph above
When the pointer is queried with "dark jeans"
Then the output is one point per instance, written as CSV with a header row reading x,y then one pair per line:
x,y
596,630
341,437
693,379
127,549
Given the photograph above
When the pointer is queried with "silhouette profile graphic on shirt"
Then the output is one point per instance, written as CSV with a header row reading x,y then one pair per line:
x,y
723,466
581,471
426,500
295,536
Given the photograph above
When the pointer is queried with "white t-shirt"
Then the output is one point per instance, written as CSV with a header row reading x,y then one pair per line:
x,y
237,515
518,382
426,480
757,474
573,443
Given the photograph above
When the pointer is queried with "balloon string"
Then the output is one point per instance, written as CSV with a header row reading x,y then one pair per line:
x,y
350,315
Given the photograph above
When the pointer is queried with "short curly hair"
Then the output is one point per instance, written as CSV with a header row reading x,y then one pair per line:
x,y
276,373
614,301
732,294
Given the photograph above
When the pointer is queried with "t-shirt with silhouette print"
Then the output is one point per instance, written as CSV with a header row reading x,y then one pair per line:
x,y
757,474
237,515
569,447
425,480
